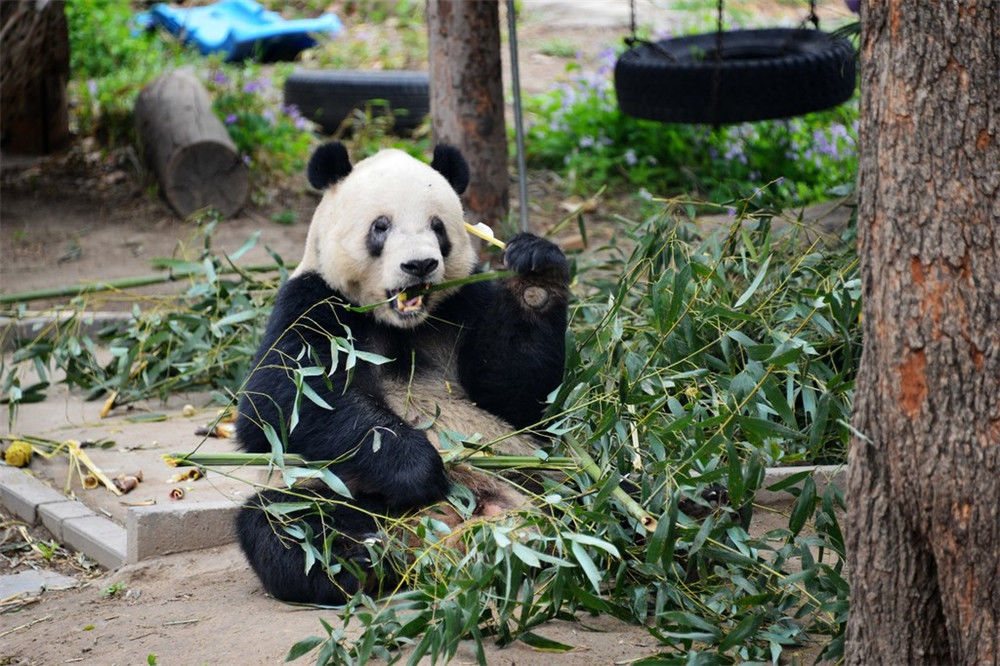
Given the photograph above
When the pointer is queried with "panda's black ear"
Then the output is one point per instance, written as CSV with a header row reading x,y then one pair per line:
x,y
328,165
448,161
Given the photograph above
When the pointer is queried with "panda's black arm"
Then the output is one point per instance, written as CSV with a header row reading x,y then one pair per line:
x,y
514,353
378,453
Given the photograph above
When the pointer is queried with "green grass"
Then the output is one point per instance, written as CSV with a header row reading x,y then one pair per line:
x,y
559,48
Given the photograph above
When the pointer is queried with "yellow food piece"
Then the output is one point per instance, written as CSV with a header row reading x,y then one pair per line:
x,y
18,454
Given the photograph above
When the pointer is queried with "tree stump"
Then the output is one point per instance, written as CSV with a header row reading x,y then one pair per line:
x,y
194,159
34,69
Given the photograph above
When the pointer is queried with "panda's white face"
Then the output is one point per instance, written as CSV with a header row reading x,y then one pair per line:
x,y
384,233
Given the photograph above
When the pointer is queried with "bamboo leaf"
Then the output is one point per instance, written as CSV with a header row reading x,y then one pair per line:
x,y
525,554
804,506
543,644
303,647
761,272
587,564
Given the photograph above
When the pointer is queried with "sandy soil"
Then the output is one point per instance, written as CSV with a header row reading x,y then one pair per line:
x,y
207,608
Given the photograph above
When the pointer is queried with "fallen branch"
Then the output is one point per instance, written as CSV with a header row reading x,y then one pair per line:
x,y
292,460
126,283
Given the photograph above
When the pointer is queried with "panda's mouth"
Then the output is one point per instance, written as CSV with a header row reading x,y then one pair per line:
x,y
409,301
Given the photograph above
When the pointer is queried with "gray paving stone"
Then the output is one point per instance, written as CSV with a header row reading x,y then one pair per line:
x,y
34,581
22,494
822,476
98,538
54,514
158,530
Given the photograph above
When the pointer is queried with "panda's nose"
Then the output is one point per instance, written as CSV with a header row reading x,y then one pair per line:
x,y
419,267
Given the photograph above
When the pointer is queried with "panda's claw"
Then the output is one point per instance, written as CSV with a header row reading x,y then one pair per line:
x,y
529,254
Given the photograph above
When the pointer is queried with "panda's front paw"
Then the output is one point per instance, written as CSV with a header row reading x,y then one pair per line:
x,y
418,478
527,254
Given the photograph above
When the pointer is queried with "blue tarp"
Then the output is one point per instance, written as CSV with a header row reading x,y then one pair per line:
x,y
240,29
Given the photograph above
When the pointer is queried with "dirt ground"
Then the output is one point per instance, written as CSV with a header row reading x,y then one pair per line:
x,y
82,216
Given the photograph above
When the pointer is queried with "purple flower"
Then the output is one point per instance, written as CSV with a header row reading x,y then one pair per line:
x,y
630,158
92,87
246,159
231,118
254,86
219,77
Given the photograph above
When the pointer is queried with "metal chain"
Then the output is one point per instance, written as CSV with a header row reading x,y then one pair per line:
x,y
717,74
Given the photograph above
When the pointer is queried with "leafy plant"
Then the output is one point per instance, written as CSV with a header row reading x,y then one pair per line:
x,y
577,130
110,63
204,338
273,138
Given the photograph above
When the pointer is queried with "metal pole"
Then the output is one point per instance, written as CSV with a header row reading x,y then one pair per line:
x,y
522,179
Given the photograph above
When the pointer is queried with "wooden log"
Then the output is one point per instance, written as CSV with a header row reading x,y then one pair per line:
x,y
194,159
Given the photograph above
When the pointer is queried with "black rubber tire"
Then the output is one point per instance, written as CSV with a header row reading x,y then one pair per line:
x,y
766,73
327,97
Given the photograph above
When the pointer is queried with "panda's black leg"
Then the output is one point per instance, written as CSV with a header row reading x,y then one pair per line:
x,y
279,559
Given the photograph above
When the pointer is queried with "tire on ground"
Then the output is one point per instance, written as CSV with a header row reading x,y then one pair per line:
x,y
327,97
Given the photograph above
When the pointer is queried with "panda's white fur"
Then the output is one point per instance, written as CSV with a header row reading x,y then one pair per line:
x,y
335,245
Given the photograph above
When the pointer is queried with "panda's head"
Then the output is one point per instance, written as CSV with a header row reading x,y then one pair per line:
x,y
389,227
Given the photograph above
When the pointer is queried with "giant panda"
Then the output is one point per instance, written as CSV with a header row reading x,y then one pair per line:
x,y
478,359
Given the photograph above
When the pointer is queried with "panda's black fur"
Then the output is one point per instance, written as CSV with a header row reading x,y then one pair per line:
x,y
508,355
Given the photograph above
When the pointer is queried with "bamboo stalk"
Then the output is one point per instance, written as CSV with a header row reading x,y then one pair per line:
x,y
292,460
594,472
125,283
81,455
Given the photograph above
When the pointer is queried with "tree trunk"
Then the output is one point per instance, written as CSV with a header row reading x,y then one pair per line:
x,y
924,479
195,161
34,70
466,94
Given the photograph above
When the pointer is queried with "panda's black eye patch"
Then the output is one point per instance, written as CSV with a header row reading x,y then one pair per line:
x,y
437,226
377,233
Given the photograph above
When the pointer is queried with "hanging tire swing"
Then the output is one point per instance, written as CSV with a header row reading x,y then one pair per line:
x,y
735,76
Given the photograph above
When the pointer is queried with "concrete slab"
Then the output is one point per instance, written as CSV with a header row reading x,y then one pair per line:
x,y
95,521
34,581
53,515
22,494
100,539
159,530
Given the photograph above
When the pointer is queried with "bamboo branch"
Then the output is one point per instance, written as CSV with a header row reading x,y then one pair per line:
x,y
292,460
126,283
594,472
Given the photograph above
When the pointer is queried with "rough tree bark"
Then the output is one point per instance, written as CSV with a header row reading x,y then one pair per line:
x,y
924,478
34,69
466,96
